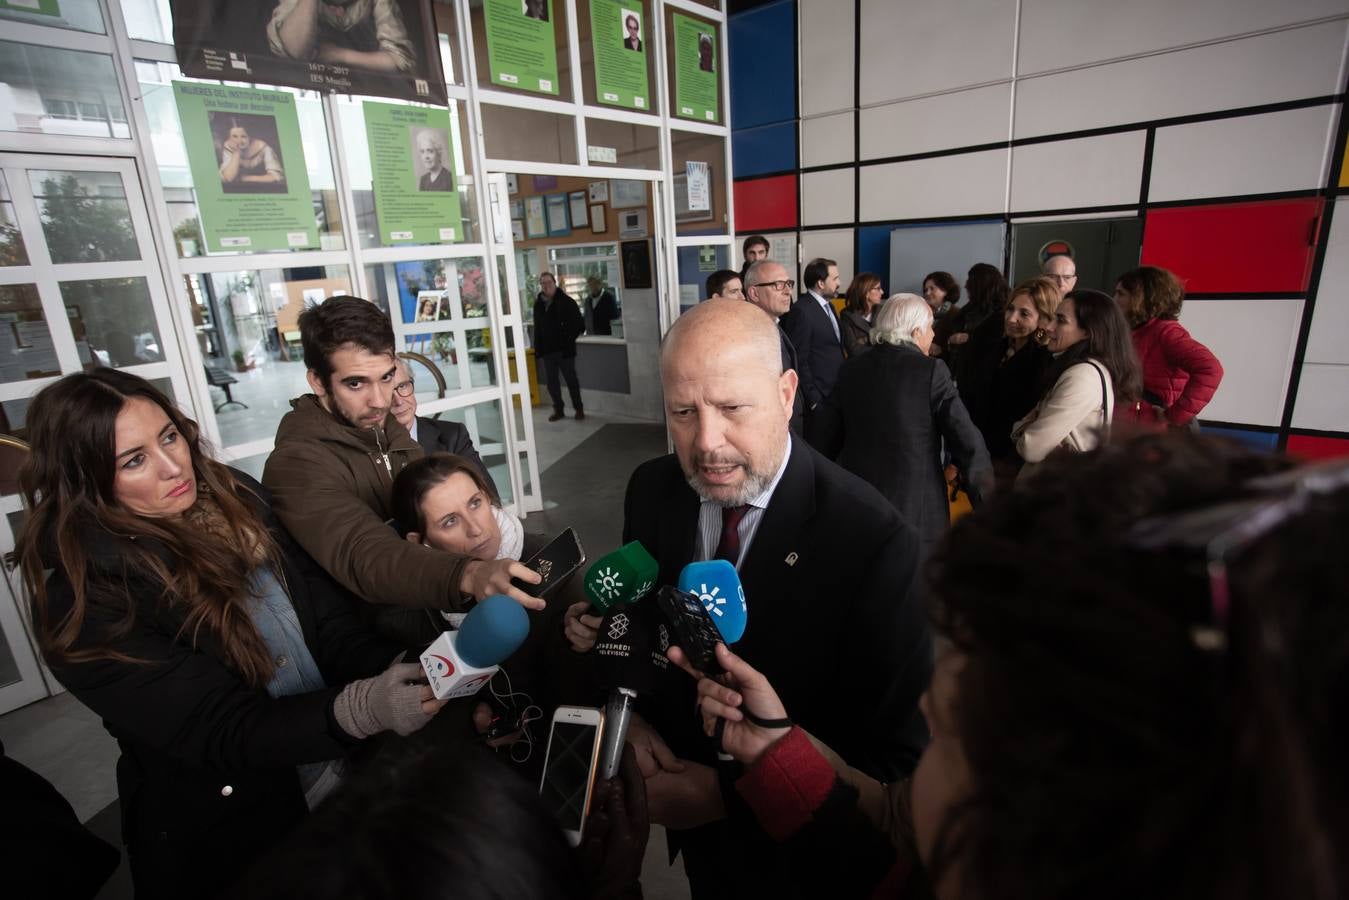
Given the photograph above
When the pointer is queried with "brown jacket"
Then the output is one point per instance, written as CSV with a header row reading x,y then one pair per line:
x,y
332,486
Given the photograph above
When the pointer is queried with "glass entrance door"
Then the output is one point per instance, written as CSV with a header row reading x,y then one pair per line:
x,y
80,286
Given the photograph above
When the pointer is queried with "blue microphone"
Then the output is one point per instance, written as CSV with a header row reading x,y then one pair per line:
x,y
716,583
458,663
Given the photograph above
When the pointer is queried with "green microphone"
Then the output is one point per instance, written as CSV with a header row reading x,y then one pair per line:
x,y
624,576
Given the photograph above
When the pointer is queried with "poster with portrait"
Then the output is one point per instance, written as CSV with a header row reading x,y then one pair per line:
x,y
429,305
412,162
521,47
248,169
696,85
618,30
379,48
32,7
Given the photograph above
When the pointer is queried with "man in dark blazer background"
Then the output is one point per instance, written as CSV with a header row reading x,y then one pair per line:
x,y
813,327
434,435
766,285
829,572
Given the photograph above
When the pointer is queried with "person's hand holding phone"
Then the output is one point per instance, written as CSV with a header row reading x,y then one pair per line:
x,y
483,578
745,688
653,754
617,831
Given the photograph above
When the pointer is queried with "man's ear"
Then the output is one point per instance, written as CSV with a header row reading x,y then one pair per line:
x,y
315,383
787,384
413,537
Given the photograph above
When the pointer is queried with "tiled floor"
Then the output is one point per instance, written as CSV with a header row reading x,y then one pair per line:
x,y
585,466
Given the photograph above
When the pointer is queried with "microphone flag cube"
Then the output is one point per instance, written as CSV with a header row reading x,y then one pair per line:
x,y
623,576
450,676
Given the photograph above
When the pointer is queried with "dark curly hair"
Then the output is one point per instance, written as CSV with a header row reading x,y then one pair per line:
x,y
1160,294
1110,754
948,285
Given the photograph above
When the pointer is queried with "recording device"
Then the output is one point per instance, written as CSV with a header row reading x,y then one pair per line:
x,y
555,562
694,631
717,585
627,663
459,663
570,765
621,577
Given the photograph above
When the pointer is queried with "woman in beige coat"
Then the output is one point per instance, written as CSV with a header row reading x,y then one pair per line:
x,y
1095,366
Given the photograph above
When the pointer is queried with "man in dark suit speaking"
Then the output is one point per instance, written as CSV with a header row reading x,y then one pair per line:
x,y
828,569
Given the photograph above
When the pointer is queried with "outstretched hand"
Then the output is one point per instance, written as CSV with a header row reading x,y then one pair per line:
x,y
744,688
483,578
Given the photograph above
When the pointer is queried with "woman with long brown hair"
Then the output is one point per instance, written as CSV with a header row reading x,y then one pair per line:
x,y
859,310
234,675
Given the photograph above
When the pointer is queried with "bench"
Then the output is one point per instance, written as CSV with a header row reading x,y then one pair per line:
x,y
218,377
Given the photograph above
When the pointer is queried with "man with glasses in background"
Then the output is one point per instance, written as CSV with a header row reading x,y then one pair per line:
x,y
1060,269
767,286
434,435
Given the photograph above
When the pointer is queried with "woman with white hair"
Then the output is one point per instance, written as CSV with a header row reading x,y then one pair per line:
x,y
889,414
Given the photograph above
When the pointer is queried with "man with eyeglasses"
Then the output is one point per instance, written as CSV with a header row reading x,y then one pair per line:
x,y
1061,270
813,329
434,435
767,286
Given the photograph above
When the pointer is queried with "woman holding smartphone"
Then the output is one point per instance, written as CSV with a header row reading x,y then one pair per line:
x,y
232,672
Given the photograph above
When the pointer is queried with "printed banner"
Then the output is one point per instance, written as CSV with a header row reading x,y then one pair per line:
x,y
521,49
37,7
247,162
695,49
412,160
618,36
380,48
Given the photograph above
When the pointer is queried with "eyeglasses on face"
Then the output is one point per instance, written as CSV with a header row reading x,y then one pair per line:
x,y
1062,278
403,388
777,285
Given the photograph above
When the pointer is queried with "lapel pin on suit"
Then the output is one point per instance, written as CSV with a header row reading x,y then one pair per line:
x,y
792,558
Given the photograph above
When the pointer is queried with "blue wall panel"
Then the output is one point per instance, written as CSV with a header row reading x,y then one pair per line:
x,y
762,47
1265,441
766,150
873,251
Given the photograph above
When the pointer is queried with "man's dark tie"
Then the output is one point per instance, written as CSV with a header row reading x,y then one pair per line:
x,y
728,548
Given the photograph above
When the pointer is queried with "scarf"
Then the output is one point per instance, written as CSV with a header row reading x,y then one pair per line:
x,y
512,534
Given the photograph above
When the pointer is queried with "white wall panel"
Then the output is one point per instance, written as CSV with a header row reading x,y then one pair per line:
x,y
944,122
1283,151
960,185
1060,33
1328,341
827,50
1095,171
1254,340
835,245
827,197
924,46
827,140
1287,65
1322,398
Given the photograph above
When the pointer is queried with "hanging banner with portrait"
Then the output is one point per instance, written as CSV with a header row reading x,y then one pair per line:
x,y
247,163
696,89
618,35
412,161
521,47
380,48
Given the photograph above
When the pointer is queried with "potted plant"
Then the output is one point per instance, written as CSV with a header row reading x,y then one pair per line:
x,y
240,364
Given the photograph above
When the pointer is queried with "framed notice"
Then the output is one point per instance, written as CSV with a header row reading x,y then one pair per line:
x,y
576,203
599,191
378,48
618,33
536,226
411,160
696,88
247,163
627,194
558,224
598,221
521,47
517,229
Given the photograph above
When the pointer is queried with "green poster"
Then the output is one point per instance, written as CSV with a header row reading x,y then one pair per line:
x,y
412,158
695,69
39,7
618,36
247,162
521,50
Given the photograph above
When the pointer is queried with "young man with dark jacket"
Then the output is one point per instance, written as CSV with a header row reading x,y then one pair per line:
x,y
331,472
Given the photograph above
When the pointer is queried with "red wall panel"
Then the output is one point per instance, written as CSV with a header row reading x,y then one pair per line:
x,y
1234,248
766,204
1306,446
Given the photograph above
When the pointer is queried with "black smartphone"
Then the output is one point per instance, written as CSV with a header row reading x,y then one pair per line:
x,y
695,632
555,562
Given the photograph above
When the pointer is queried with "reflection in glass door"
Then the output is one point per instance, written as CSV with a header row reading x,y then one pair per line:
x,y
80,287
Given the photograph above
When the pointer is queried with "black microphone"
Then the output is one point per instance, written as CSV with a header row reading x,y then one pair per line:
x,y
630,649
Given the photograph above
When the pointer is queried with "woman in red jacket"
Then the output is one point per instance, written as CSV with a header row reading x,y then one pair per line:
x,y
1180,375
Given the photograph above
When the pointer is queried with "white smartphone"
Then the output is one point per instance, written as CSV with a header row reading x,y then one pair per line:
x,y
570,766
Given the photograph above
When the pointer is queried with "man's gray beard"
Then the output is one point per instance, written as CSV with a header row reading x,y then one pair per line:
x,y
754,485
